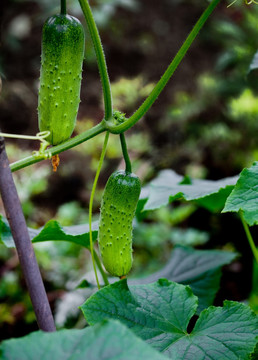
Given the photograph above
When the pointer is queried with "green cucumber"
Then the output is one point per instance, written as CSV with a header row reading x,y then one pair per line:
x,y
117,211
63,43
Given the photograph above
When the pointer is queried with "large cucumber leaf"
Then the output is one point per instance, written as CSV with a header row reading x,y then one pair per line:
x,y
160,313
109,340
200,269
169,186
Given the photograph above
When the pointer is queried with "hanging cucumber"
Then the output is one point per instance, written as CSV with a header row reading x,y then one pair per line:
x,y
60,76
117,211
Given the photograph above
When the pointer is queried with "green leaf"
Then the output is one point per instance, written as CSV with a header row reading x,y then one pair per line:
x,y
78,234
228,332
85,284
200,269
52,231
5,233
169,186
109,340
160,313
245,195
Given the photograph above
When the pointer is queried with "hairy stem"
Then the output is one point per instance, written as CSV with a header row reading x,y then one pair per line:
x,y
142,110
91,202
23,245
249,237
86,135
100,57
128,165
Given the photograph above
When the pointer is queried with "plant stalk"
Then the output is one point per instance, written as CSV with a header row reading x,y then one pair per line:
x,y
23,245
142,110
95,37
91,203
128,165
63,7
103,274
249,237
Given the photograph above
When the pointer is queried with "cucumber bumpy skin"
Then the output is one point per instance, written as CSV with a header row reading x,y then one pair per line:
x,y
117,211
63,42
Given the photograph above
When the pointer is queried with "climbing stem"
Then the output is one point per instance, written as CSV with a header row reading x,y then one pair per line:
x,y
142,110
100,57
249,237
91,203
63,7
41,136
128,165
103,274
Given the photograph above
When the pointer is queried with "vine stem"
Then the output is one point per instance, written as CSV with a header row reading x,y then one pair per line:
x,y
23,245
103,274
63,7
249,236
128,165
55,150
91,203
100,57
142,110
108,125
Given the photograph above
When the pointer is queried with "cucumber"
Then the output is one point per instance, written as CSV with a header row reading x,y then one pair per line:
x,y
117,211
63,42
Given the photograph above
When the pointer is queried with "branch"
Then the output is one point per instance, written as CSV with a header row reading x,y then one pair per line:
x,y
23,244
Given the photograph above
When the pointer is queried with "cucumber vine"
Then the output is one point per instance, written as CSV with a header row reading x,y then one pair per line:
x,y
109,123
91,203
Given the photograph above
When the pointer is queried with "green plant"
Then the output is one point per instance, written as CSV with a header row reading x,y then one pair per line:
x,y
159,311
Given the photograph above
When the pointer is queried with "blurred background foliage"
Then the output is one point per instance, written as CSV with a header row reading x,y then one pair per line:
x,y
204,125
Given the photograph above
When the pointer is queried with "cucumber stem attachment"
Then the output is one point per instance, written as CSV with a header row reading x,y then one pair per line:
x,y
63,7
128,165
91,203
